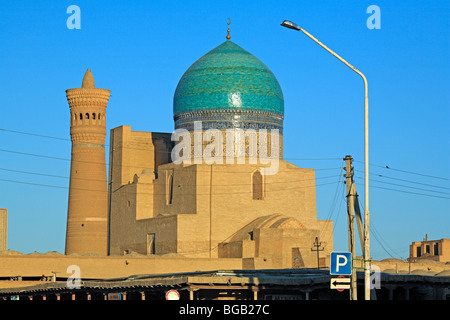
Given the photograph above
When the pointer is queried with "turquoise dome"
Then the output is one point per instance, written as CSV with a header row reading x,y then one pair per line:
x,y
228,88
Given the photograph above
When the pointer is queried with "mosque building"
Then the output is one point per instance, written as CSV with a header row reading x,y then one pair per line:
x,y
216,187
210,211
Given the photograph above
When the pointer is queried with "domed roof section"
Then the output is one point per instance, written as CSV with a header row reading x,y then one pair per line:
x,y
274,221
228,78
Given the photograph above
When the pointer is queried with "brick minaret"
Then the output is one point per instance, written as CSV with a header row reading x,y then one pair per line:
x,y
87,216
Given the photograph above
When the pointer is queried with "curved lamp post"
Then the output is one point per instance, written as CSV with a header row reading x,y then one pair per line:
x,y
291,25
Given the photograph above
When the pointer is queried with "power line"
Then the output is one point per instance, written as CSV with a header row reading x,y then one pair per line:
x,y
380,241
152,193
46,175
404,180
99,162
338,191
421,194
302,159
336,196
378,236
35,184
35,173
36,155
35,134
125,147
401,185
228,184
404,171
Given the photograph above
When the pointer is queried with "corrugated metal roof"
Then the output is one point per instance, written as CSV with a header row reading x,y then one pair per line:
x,y
266,277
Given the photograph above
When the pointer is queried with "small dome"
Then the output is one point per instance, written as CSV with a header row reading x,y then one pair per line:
x,y
229,88
274,221
280,221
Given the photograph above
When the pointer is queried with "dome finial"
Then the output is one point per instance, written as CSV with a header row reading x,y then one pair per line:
x,y
228,35
88,80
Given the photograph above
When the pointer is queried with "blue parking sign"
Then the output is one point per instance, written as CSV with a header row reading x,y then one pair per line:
x,y
341,263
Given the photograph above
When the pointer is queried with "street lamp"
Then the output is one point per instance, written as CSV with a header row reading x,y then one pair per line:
x,y
291,25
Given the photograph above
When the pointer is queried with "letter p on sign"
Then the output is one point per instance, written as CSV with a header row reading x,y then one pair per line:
x,y
341,263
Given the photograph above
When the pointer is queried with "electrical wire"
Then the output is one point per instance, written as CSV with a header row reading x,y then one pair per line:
x,y
404,186
34,134
162,194
134,148
416,193
125,166
404,180
331,211
404,171
228,184
378,237
404,191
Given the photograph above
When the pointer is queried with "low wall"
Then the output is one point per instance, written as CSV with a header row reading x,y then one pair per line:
x,y
97,267
94,267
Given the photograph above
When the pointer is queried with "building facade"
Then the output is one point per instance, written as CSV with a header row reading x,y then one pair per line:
x,y
438,250
219,203
216,187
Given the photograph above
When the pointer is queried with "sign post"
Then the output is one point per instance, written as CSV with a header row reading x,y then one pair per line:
x,y
172,295
340,283
340,265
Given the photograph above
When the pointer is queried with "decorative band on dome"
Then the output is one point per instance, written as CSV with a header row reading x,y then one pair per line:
x,y
222,119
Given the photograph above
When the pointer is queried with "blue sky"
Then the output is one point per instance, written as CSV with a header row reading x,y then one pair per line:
x,y
140,49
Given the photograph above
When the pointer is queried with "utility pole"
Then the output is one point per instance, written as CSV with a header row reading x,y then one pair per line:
x,y
317,244
359,222
351,221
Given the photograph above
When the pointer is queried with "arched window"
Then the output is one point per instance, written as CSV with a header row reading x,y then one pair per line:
x,y
257,186
93,116
81,116
169,186
99,116
87,116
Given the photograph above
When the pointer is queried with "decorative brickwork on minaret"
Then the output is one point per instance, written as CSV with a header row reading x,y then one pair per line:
x,y
87,216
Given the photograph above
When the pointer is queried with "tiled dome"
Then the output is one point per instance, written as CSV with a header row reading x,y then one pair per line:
x,y
229,88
